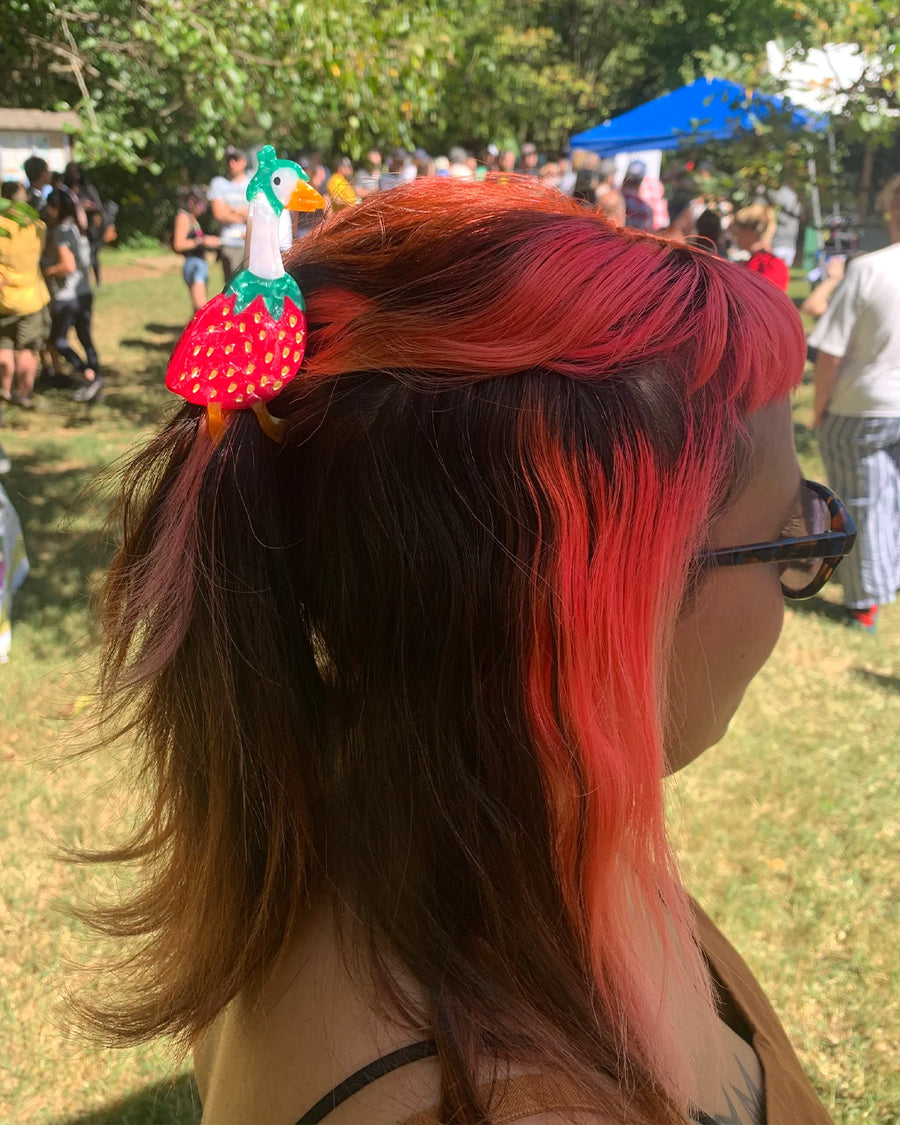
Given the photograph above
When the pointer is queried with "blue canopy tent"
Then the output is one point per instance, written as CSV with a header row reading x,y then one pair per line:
x,y
709,109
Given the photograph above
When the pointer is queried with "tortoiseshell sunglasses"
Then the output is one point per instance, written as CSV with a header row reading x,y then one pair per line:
x,y
806,563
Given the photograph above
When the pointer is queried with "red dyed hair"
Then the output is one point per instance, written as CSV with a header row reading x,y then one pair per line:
x,y
419,653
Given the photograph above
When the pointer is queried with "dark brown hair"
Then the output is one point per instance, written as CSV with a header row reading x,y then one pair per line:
x,y
416,654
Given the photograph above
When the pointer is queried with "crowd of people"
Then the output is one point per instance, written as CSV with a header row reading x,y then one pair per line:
x,y
51,231
686,209
54,241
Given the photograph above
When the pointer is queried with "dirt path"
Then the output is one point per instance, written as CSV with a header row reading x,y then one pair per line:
x,y
140,268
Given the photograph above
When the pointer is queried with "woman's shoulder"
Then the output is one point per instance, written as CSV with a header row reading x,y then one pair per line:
x,y
538,1099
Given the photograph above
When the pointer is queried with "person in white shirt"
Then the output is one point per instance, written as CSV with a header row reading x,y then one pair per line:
x,y
228,203
857,413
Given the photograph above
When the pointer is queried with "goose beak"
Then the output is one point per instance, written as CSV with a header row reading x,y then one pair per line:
x,y
304,198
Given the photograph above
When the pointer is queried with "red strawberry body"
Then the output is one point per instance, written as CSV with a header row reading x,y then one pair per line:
x,y
235,359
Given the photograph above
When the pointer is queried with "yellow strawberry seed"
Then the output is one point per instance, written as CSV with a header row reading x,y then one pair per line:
x,y
292,321
248,347
251,387
257,318
269,357
264,381
232,387
229,348
195,388
278,384
282,334
297,355
285,370
209,352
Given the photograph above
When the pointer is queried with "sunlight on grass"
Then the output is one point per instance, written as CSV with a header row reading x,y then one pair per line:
x,y
789,831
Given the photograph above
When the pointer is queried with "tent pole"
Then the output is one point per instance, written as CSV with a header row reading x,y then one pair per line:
x,y
832,168
815,202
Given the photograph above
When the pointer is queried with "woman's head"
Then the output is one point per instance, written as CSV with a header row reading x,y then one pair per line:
x,y
709,225
74,176
425,654
13,190
754,225
192,199
59,207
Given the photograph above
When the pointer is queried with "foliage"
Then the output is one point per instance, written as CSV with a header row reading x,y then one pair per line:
x,y
156,80
872,104
162,85
16,212
543,69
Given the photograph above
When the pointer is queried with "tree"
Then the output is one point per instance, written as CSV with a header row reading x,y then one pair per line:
x,y
159,79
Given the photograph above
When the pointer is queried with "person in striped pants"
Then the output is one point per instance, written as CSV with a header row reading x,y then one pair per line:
x,y
857,414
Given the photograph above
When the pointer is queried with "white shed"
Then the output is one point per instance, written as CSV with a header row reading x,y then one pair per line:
x,y
34,132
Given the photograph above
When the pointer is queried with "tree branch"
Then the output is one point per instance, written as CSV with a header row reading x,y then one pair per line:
x,y
75,61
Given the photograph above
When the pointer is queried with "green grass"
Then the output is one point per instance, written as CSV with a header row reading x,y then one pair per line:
x,y
789,830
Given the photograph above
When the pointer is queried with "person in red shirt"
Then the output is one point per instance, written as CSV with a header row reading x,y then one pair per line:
x,y
752,228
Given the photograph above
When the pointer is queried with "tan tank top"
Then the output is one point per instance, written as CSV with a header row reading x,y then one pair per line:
x,y
789,1096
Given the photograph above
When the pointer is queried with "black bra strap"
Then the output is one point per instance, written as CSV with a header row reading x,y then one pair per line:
x,y
365,1076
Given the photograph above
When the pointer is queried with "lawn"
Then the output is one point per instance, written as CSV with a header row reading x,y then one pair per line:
x,y
789,830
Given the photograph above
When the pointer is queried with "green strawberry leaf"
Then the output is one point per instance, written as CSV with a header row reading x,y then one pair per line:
x,y
246,287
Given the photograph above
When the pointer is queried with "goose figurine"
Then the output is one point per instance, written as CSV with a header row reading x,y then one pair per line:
x,y
244,345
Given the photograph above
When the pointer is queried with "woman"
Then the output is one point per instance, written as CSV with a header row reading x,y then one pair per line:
x,y
67,267
189,239
709,235
752,229
89,211
409,682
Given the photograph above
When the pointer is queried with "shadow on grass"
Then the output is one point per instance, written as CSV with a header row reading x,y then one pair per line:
x,y
890,684
165,1103
818,607
147,345
63,525
141,401
805,439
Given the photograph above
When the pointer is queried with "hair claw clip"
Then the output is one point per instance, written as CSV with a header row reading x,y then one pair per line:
x,y
244,345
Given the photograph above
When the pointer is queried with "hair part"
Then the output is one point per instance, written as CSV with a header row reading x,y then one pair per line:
x,y
417,653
